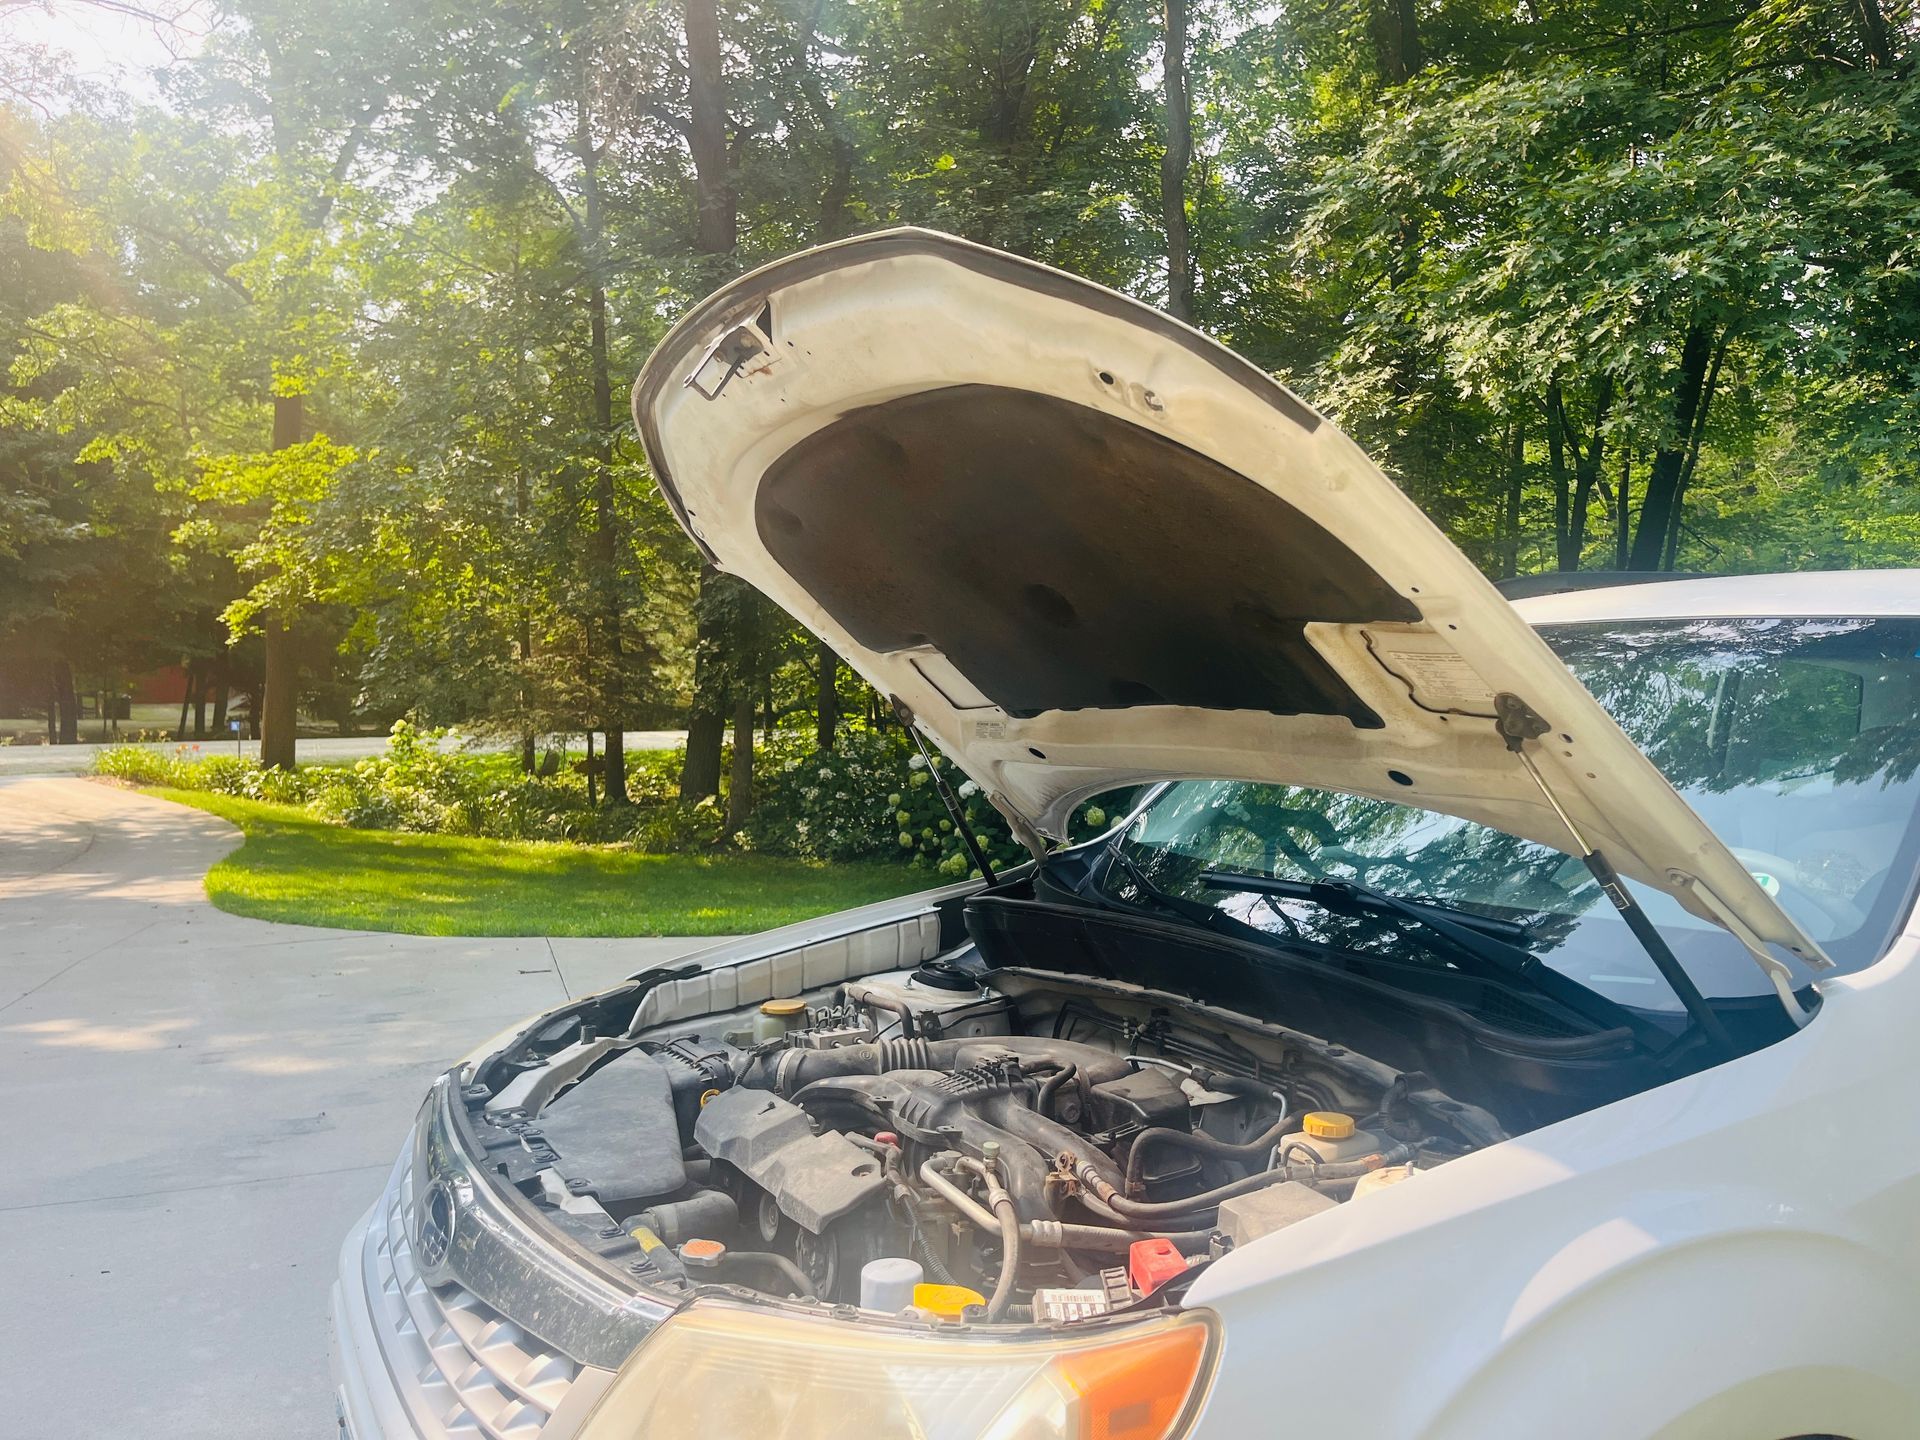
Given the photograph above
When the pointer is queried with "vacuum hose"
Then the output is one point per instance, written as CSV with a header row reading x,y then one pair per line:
x,y
1102,1196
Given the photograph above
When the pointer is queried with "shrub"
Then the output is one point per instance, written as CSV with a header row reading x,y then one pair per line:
x,y
143,766
872,797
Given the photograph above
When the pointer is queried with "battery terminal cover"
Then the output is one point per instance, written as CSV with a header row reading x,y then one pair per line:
x,y
1151,1263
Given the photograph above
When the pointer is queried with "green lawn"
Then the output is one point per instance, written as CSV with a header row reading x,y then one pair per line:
x,y
304,871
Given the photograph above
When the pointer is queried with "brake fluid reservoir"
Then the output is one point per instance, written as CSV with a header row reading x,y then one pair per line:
x,y
1329,1137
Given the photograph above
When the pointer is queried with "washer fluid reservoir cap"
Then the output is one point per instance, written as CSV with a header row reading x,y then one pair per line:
x,y
1326,1125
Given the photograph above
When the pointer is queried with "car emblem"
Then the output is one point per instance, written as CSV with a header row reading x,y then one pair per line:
x,y
436,1226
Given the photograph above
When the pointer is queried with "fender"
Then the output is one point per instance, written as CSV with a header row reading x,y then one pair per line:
x,y
1759,1334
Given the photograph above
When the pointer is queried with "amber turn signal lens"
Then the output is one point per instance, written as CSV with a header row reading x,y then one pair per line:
x,y
1136,1389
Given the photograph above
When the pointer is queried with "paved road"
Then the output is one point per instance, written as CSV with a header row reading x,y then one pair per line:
x,y
78,759
198,1107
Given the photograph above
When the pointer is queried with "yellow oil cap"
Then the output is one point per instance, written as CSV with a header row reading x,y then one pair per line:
x,y
783,1008
946,1301
1326,1125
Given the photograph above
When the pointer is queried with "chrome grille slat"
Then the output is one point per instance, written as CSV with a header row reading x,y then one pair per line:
x,y
473,1371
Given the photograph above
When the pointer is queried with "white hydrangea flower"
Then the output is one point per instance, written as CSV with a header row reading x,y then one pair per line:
x,y
968,789
916,762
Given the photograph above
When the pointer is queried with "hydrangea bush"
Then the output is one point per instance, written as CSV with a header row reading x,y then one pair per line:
x,y
873,797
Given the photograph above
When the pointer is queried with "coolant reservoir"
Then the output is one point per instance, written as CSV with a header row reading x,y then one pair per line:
x,y
1329,1137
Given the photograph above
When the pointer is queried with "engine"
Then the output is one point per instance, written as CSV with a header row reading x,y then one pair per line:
x,y
914,1145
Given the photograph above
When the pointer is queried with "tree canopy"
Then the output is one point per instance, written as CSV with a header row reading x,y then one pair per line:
x,y
314,352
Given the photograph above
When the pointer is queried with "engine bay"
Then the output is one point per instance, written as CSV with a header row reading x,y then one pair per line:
x,y
950,1143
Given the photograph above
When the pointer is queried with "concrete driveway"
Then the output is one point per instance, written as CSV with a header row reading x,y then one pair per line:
x,y
199,1106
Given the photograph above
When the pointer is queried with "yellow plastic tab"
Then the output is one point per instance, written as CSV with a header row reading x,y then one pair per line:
x,y
946,1301
1326,1125
646,1239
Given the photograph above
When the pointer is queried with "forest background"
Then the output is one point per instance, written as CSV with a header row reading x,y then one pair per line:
x,y
314,342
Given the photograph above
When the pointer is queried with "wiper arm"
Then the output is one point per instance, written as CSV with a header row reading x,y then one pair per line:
x,y
1178,904
1481,954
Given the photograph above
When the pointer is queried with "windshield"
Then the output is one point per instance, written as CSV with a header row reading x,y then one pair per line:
x,y
1797,741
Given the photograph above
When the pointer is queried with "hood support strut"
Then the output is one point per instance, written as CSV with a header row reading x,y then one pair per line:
x,y
954,812
1517,723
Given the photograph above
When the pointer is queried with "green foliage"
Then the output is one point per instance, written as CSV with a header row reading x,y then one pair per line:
x,y
1599,285
279,492
873,798
426,785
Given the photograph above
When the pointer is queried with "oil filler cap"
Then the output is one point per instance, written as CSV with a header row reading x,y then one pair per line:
x,y
1326,1125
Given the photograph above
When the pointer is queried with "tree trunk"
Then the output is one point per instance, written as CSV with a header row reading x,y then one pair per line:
x,y
281,686
222,686
1174,162
187,695
1661,499
279,701
613,686
1623,510
1510,517
1876,35
707,725
740,783
607,547
700,774
716,231
524,643
1557,468
826,703
69,702
717,219
1586,470
1396,39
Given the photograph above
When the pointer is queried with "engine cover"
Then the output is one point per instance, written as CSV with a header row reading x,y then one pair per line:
x,y
814,1179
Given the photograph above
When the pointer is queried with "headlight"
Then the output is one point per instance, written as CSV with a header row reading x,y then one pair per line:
x,y
722,1370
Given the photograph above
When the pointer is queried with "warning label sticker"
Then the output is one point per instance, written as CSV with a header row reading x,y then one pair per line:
x,y
1439,679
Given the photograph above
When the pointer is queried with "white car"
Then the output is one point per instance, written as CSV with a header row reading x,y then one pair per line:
x,y
1414,1060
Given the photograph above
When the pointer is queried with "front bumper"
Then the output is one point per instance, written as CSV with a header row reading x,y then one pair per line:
x,y
417,1361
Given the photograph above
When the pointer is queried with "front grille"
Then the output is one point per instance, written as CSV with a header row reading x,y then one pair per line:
x,y
462,1367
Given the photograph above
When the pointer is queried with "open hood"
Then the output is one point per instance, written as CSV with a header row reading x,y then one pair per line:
x,y
1088,547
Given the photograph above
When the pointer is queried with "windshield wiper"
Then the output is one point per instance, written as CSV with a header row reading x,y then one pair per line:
x,y
1482,954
